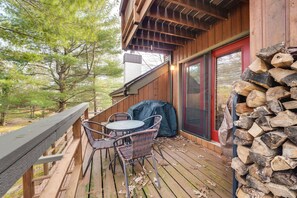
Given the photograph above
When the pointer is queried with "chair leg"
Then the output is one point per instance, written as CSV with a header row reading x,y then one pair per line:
x,y
126,181
106,153
156,170
89,161
160,151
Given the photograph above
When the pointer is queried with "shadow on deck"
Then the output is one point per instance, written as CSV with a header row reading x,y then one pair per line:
x,y
189,170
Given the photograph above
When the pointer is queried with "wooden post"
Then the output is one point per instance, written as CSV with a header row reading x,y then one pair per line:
x,y
86,114
45,166
53,151
77,135
28,185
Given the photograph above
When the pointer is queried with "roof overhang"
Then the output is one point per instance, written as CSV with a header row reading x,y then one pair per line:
x,y
163,25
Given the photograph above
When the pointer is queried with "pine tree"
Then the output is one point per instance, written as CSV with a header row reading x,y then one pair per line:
x,y
64,41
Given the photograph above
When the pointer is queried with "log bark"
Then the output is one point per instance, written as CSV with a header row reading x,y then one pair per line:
x,y
280,190
259,66
242,142
246,192
238,166
256,99
243,134
287,178
277,93
290,150
264,123
275,106
293,91
283,60
261,173
290,104
266,54
256,184
255,130
290,80
241,179
260,159
294,65
291,132
274,139
243,153
242,108
244,88
244,122
261,148
280,163
262,79
278,74
284,119
261,111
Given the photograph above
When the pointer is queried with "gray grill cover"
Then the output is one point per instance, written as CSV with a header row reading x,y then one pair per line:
x,y
148,108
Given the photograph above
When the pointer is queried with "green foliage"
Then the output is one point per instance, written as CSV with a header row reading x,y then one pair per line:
x,y
63,42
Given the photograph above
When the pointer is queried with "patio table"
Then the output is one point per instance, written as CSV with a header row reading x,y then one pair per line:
x,y
125,126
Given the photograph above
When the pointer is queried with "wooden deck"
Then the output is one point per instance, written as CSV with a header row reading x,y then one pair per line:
x,y
189,170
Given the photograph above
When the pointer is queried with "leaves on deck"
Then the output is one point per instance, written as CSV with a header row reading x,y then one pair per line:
x,y
202,192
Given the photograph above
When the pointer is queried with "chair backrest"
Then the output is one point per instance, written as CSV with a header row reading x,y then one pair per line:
x,y
88,131
154,123
119,116
142,143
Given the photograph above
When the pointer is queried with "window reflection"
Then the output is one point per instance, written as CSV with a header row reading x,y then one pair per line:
x,y
193,94
228,70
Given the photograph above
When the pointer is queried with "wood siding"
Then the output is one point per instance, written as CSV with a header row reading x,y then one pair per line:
x,y
272,22
237,23
158,89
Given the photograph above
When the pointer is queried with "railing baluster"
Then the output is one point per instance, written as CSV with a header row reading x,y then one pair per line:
x,y
28,184
77,135
45,165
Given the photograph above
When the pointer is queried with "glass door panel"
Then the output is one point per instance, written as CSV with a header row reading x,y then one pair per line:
x,y
194,111
228,70
228,62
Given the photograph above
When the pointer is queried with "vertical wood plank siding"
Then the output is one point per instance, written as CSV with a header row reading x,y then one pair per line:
x,y
272,22
237,22
158,89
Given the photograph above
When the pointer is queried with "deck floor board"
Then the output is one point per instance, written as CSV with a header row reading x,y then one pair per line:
x,y
187,170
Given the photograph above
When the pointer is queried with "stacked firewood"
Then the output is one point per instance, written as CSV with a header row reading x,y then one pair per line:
x,y
266,135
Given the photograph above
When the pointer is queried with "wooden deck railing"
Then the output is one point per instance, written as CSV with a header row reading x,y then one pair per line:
x,y
44,142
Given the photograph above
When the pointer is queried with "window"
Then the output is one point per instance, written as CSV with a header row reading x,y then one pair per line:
x,y
228,70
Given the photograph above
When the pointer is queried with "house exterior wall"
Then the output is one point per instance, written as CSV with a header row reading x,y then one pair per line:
x,y
236,25
157,89
272,22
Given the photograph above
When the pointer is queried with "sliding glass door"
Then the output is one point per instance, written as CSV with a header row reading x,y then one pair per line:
x,y
194,95
228,64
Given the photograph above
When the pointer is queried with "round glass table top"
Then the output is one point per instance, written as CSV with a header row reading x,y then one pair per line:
x,y
125,125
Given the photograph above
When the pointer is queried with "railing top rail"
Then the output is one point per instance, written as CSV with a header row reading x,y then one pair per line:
x,y
20,149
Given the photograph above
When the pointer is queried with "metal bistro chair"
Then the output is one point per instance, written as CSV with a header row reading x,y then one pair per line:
x,y
118,117
141,147
154,122
106,142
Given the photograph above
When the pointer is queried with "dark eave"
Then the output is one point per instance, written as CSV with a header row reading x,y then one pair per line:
x,y
163,25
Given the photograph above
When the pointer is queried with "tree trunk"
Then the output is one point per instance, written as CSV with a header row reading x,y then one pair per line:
x,y
62,106
94,93
2,118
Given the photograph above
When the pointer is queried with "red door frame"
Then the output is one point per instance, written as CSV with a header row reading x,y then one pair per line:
x,y
202,68
244,46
